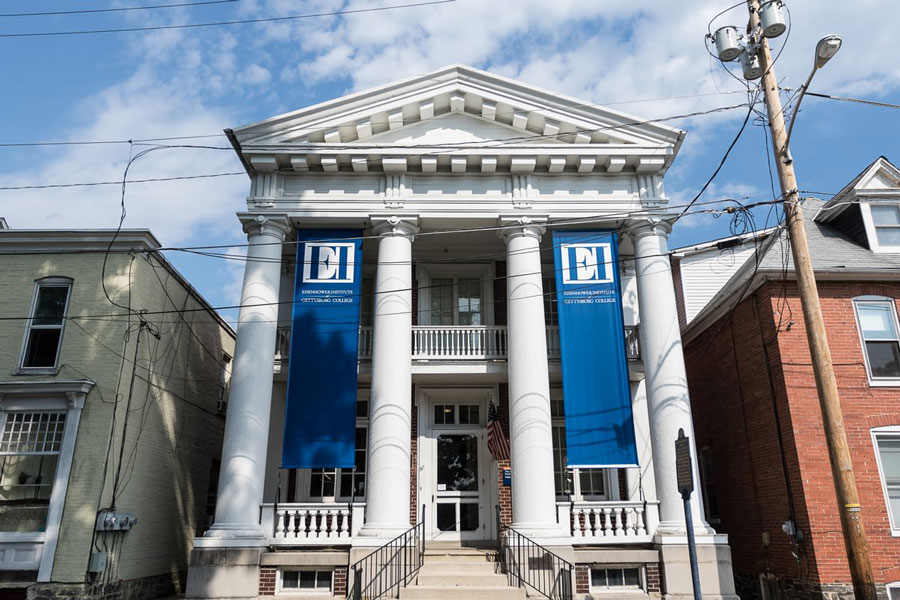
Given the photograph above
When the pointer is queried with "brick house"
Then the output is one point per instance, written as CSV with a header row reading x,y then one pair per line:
x,y
765,471
104,413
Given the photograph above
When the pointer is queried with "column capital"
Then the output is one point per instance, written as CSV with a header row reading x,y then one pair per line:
x,y
277,226
519,226
395,225
656,226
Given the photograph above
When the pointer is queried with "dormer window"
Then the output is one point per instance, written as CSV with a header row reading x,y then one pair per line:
x,y
886,219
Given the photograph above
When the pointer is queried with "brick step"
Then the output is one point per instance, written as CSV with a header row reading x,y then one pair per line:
x,y
461,592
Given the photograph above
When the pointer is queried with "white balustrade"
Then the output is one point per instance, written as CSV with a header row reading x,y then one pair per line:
x,y
484,342
444,342
311,523
605,522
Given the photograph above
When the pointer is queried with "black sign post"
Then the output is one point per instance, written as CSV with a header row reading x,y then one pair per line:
x,y
685,487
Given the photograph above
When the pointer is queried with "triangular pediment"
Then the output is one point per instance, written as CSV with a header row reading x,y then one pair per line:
x,y
361,116
881,175
474,113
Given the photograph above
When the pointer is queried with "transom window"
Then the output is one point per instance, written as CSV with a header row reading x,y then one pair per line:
x,y
877,319
887,449
43,334
456,414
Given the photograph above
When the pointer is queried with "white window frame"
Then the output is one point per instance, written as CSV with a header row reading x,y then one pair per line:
x,y
38,284
642,579
61,395
875,381
865,208
894,587
484,272
894,432
280,589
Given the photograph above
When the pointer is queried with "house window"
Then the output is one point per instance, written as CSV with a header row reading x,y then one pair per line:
x,y
574,484
29,452
456,301
222,389
708,484
877,319
893,590
43,334
306,581
886,221
887,451
616,578
346,484
551,311
456,414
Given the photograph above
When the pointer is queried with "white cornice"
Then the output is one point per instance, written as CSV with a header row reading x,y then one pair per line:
x,y
55,240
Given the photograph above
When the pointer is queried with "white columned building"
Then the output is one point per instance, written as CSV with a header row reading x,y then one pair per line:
x,y
454,181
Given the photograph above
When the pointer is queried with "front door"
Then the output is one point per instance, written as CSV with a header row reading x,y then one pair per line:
x,y
455,468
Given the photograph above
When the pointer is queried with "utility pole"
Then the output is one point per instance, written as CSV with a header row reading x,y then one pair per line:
x,y
823,368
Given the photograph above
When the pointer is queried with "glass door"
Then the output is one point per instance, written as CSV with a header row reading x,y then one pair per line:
x,y
455,473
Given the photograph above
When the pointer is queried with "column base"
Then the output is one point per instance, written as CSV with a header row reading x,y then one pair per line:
x,y
382,532
236,531
223,573
677,528
546,534
713,562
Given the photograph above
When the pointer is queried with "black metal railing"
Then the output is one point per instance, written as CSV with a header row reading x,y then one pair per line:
x,y
528,563
391,566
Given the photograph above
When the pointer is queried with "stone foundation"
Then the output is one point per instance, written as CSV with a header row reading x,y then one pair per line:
x,y
789,588
145,588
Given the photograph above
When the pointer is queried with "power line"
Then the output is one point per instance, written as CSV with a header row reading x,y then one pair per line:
x,y
225,23
486,144
856,100
106,10
95,183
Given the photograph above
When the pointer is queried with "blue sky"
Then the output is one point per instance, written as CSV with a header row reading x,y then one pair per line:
x,y
199,81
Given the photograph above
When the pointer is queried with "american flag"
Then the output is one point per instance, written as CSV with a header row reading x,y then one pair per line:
x,y
497,443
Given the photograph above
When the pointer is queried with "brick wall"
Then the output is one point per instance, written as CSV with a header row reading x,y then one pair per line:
x,y
582,579
267,581
504,495
413,458
340,582
654,581
762,378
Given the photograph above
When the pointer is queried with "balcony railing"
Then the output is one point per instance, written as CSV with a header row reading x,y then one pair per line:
x,y
312,523
451,342
608,522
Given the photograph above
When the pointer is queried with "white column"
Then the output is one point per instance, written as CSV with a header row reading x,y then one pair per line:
x,y
531,439
668,403
243,468
390,405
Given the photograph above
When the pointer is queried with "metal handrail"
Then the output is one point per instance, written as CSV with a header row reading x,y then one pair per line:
x,y
528,563
391,566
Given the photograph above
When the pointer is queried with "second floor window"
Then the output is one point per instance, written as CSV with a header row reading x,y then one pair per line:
x,y
877,318
43,334
456,301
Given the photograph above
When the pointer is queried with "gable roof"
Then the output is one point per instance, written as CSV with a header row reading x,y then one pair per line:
x,y
880,176
513,119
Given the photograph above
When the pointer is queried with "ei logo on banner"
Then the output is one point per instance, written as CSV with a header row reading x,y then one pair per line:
x,y
586,263
328,262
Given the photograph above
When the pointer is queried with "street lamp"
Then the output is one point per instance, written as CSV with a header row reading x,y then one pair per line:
x,y
825,49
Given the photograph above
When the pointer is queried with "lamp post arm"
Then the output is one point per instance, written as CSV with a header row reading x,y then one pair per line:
x,y
786,151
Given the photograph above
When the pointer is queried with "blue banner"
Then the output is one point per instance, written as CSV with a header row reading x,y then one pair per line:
x,y
596,391
320,411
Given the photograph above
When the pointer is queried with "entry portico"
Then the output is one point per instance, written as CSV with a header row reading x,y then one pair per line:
x,y
455,178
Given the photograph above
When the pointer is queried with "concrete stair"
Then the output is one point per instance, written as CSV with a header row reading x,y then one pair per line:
x,y
460,573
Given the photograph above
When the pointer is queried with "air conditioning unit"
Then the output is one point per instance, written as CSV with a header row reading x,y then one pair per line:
x,y
769,587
